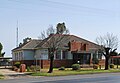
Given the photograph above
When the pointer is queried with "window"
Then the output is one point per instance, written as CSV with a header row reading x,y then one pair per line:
x,y
84,47
18,56
15,56
58,54
99,55
22,55
64,54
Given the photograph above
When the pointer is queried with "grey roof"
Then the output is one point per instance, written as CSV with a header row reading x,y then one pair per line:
x,y
29,45
36,44
66,40
32,44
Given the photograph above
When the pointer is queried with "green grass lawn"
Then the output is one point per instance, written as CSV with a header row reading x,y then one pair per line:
x,y
1,76
57,72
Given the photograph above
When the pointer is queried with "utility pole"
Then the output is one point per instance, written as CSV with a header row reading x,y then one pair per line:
x,y
17,35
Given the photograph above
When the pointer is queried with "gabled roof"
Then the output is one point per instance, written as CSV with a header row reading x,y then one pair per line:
x,y
36,44
29,45
84,41
32,44
66,40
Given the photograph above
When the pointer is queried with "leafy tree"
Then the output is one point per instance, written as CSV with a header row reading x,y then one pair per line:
x,y
53,39
109,44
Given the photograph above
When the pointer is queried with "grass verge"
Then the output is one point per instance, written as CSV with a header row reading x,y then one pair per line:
x,y
1,76
71,72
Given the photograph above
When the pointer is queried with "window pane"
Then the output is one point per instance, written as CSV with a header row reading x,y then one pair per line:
x,y
58,54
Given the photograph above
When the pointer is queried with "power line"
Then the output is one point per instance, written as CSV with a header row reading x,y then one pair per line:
x,y
70,7
76,6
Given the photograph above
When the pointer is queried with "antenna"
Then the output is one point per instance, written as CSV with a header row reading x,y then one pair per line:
x,y
17,35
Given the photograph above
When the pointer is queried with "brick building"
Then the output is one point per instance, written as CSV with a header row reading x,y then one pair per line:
x,y
72,50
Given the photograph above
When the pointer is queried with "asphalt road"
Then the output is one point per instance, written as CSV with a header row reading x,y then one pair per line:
x,y
91,78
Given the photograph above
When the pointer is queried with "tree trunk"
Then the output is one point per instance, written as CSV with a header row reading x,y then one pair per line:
x,y
106,63
51,64
107,56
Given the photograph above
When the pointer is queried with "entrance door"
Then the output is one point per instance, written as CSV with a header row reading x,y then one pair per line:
x,y
81,58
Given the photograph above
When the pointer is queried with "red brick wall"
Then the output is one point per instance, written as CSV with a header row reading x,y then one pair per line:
x,y
78,46
57,63
102,62
46,63
27,62
65,63
75,46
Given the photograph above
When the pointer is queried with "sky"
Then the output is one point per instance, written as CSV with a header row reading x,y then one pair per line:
x,y
84,18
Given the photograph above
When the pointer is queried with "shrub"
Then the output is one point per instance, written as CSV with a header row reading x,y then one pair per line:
x,y
62,68
75,67
95,61
28,69
17,64
95,66
111,65
35,68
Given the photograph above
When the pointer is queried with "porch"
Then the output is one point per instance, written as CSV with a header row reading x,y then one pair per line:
x,y
82,58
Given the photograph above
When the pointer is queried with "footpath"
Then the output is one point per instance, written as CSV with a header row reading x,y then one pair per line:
x,y
9,74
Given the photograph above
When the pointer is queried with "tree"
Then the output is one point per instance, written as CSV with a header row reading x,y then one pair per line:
x,y
1,47
53,39
1,54
113,53
109,44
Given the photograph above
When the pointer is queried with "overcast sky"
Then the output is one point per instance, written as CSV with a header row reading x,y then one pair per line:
x,y
84,18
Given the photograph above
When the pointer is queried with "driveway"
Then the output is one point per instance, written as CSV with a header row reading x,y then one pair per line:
x,y
9,74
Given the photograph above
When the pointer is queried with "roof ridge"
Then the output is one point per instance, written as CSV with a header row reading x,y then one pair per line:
x,y
85,40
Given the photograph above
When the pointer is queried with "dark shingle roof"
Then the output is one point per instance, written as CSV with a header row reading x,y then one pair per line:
x,y
35,44
66,40
32,44
29,45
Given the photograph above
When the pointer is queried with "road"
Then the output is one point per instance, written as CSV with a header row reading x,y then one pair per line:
x,y
91,78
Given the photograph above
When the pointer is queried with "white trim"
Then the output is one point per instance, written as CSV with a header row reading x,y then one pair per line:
x,y
61,54
55,56
91,55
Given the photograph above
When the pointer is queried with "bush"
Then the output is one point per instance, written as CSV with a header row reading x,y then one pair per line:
x,y
17,64
28,69
95,66
75,67
111,65
95,61
34,68
62,68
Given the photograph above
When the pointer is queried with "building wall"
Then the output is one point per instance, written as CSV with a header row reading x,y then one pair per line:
x,y
41,54
28,55
70,55
17,55
63,63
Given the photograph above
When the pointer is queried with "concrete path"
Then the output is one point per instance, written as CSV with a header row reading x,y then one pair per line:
x,y
9,74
